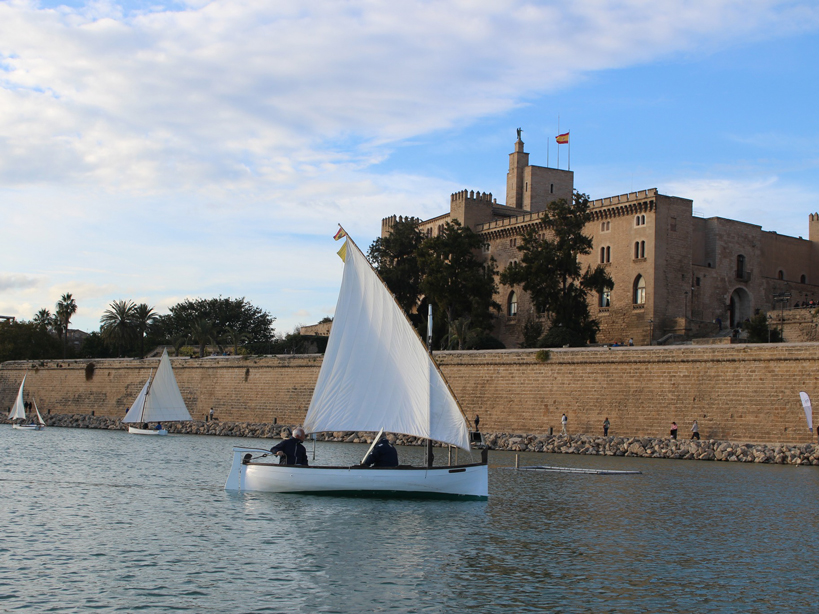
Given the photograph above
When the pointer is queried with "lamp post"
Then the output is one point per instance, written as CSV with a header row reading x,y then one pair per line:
x,y
651,331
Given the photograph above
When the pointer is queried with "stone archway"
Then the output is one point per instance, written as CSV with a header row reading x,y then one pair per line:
x,y
740,307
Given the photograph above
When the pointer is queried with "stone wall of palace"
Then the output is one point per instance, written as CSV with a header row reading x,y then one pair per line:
x,y
745,393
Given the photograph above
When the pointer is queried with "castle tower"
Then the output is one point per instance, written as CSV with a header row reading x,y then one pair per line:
x,y
813,231
518,161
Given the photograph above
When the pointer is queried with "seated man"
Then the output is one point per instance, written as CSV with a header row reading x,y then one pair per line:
x,y
291,449
158,426
383,455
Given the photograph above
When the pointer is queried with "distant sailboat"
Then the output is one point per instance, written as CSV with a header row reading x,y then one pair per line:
x,y
18,412
376,375
158,401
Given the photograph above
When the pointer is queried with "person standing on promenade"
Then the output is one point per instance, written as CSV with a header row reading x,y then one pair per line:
x,y
606,425
563,421
477,422
673,430
695,431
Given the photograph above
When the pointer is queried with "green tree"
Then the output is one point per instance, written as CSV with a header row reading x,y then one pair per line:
x,y
236,338
549,269
238,314
43,319
143,317
21,340
204,332
117,324
453,280
395,257
66,308
462,335
759,331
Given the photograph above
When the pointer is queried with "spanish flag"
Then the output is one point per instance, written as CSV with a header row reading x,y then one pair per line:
x,y
340,234
562,139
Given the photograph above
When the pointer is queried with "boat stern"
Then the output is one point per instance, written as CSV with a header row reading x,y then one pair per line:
x,y
236,477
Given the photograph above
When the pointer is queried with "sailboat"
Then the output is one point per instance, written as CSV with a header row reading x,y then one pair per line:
x,y
376,375
158,401
18,412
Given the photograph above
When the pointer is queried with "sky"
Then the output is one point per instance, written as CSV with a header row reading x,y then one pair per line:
x,y
156,151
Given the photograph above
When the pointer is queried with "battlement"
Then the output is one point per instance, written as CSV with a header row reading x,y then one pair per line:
x,y
623,198
465,195
388,222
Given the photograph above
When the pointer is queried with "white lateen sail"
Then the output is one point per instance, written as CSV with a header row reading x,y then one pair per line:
x,y
376,373
160,399
18,410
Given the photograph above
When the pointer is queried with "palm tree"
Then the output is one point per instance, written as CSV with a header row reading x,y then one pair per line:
x,y
462,334
143,317
235,337
204,332
117,323
43,318
66,307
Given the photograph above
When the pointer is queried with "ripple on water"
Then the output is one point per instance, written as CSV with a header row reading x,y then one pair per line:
x,y
103,521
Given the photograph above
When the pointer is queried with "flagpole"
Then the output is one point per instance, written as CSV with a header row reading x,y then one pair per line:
x,y
570,152
558,143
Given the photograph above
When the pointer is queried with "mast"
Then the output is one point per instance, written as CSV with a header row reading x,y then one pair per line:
x,y
145,398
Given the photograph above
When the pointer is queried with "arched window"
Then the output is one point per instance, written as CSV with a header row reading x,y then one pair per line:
x,y
602,227
605,299
602,255
740,267
636,249
637,221
642,220
780,274
551,188
640,290
512,304
803,280
608,225
608,253
642,249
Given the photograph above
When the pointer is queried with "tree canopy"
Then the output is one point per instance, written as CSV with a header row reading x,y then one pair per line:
x,y
443,271
238,315
550,271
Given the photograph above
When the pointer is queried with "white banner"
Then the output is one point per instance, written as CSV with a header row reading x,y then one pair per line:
x,y
808,410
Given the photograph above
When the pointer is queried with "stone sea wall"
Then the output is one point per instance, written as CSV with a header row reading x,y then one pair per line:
x,y
747,393
644,447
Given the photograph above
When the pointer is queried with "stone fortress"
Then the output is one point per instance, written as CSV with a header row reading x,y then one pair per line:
x,y
676,275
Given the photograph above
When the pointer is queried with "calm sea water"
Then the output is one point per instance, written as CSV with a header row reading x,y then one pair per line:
x,y
106,521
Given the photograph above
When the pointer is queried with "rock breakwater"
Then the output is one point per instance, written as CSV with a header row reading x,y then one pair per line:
x,y
643,447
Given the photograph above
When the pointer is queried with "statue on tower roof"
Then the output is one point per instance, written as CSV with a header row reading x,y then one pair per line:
x,y
520,130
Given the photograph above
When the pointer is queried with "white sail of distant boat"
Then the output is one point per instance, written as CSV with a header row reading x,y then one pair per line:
x,y
158,401
376,374
18,412
808,409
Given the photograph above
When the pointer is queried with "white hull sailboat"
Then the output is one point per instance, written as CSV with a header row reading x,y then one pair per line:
x,y
376,376
158,401
18,412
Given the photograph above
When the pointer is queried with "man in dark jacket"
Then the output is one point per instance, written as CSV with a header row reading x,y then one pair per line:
x,y
291,449
383,455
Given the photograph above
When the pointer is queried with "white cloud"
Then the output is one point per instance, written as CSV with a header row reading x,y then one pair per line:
x,y
17,282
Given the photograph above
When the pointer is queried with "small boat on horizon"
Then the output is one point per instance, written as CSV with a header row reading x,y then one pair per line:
x,y
159,401
376,376
18,412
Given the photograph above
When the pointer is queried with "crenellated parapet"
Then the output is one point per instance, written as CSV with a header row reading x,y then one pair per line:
x,y
641,201
388,222
465,195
